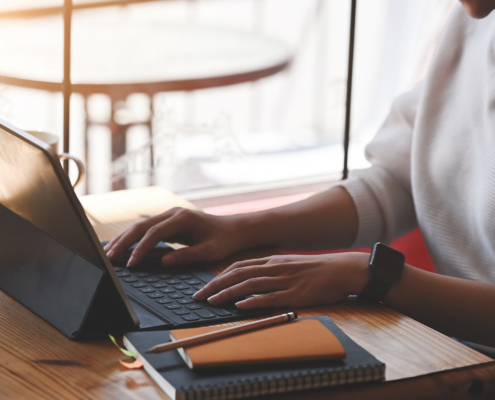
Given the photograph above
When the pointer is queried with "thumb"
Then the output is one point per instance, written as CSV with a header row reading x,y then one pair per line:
x,y
188,256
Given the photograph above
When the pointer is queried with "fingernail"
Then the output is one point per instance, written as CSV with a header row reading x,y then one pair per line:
x,y
240,304
213,300
110,254
131,261
198,294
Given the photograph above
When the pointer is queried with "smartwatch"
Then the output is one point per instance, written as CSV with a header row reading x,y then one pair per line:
x,y
386,267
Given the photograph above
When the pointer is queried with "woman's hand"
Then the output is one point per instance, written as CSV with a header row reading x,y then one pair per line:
x,y
211,238
289,281
325,220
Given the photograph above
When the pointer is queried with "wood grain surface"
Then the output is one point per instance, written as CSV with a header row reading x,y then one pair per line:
x,y
38,362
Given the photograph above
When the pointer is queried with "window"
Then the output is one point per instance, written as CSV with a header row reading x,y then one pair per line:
x,y
284,129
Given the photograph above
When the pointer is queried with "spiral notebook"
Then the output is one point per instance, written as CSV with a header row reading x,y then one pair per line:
x,y
178,381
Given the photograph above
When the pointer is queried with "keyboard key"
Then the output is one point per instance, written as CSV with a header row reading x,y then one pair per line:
x,y
205,313
139,284
175,271
184,277
159,285
155,271
117,269
220,312
173,281
155,296
147,290
164,301
173,306
185,301
190,317
165,276
189,292
175,296
167,290
130,279
123,274
142,274
150,280
194,307
198,287
193,282
181,312
181,287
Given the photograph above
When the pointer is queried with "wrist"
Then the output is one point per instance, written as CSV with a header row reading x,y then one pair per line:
x,y
359,273
254,230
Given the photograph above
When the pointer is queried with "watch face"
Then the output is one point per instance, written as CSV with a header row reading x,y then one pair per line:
x,y
387,260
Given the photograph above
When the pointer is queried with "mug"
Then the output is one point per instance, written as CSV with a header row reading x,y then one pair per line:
x,y
53,140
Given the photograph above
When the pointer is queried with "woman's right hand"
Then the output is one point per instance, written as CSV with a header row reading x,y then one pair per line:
x,y
210,238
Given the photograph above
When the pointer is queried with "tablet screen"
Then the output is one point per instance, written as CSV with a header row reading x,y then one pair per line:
x,y
31,187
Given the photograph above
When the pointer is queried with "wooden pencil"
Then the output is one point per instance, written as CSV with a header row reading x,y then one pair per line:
x,y
211,336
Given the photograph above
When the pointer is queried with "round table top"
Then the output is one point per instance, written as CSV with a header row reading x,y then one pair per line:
x,y
130,56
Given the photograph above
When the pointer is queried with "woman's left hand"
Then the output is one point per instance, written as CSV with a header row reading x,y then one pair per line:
x,y
289,281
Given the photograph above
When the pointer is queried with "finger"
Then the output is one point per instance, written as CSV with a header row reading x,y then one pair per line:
x,y
200,253
152,236
231,278
244,263
130,236
127,239
249,287
273,260
112,242
273,299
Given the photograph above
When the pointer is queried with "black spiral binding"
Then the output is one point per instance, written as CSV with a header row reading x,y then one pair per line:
x,y
283,383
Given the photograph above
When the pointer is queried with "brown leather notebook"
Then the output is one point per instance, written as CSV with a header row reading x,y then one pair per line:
x,y
300,340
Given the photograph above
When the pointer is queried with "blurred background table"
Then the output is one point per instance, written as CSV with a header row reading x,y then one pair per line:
x,y
121,56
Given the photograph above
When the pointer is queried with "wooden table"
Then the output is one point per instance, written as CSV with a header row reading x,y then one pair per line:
x,y
38,362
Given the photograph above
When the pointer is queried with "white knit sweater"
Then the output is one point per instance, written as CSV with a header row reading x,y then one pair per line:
x,y
433,160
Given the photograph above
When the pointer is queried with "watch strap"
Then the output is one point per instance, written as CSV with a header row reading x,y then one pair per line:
x,y
377,288
386,266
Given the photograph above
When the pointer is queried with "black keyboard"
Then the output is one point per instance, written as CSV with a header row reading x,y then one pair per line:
x,y
167,293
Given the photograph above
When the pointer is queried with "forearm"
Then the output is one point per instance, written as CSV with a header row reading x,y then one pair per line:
x,y
324,221
456,307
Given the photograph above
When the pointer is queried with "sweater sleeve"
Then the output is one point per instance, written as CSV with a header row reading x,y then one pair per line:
x,y
382,193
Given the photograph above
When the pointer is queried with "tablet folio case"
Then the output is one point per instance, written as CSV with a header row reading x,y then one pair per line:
x,y
56,283
48,260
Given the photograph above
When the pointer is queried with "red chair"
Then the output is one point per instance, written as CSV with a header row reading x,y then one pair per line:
x,y
412,245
